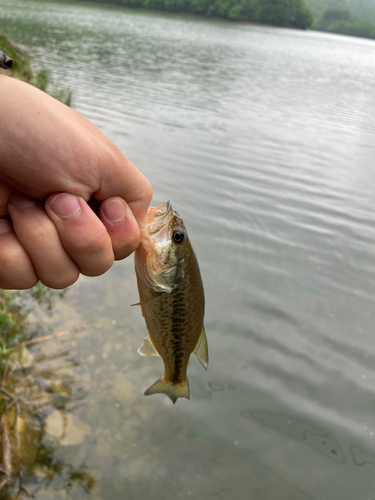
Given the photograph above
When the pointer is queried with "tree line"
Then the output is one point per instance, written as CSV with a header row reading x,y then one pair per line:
x,y
287,13
341,21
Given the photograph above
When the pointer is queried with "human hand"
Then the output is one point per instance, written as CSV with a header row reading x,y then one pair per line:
x,y
52,163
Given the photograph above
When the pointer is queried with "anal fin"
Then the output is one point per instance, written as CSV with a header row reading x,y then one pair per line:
x,y
147,348
201,349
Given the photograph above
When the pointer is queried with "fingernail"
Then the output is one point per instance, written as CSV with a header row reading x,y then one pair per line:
x,y
65,206
5,226
114,211
21,201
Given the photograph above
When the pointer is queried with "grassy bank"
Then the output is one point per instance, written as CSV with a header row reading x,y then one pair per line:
x,y
22,70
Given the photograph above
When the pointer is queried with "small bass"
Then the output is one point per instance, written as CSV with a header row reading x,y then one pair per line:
x,y
172,299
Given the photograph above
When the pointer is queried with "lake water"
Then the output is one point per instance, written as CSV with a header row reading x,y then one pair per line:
x,y
264,140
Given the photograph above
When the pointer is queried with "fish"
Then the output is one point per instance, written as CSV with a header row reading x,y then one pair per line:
x,y
172,299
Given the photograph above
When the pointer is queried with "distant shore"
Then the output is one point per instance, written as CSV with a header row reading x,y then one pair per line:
x,y
335,21
295,16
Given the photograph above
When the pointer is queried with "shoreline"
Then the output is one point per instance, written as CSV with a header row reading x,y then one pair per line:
x,y
216,18
184,14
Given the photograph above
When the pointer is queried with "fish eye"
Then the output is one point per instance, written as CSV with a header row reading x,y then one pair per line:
x,y
178,236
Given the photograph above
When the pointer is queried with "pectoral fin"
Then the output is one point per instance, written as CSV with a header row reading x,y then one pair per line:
x,y
144,301
140,303
201,349
147,348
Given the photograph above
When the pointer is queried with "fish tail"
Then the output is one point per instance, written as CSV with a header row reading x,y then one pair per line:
x,y
173,390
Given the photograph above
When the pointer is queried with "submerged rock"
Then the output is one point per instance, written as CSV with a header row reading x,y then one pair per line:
x,y
122,389
68,428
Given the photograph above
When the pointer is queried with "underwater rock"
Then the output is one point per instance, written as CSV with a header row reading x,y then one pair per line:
x,y
122,389
22,356
66,427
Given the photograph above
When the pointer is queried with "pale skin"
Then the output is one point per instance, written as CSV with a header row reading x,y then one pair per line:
x,y
52,163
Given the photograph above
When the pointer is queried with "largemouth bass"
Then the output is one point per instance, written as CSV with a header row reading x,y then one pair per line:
x,y
172,299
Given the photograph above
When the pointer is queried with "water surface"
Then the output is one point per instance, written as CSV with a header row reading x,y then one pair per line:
x,y
263,138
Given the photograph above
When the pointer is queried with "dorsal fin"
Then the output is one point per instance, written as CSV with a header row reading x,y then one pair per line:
x,y
201,349
147,348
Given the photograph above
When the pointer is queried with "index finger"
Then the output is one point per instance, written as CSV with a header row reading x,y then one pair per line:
x,y
120,177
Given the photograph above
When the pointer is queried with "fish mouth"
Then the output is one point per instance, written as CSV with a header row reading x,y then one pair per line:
x,y
157,215
157,219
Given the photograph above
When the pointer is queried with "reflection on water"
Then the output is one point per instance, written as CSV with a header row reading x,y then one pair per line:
x,y
263,139
301,430
361,456
45,391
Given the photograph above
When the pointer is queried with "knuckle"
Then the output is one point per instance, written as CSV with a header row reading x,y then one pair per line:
x,y
10,259
61,281
11,280
43,233
16,271
35,227
94,254
28,282
21,283
98,267
93,245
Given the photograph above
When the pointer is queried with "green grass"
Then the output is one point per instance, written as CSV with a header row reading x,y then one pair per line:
x,y
22,70
44,81
21,61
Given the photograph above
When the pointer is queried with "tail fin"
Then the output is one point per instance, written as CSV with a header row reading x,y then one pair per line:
x,y
172,390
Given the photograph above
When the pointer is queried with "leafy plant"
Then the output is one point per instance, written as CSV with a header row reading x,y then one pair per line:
x,y
44,81
12,322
